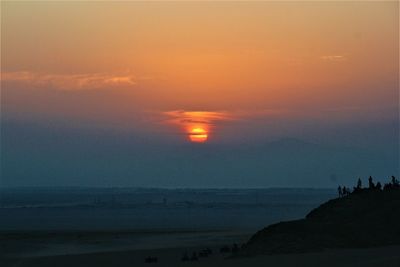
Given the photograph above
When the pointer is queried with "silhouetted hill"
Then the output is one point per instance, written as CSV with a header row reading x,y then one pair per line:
x,y
363,219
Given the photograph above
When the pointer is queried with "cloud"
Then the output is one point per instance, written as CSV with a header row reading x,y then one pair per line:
x,y
71,81
210,119
335,58
182,117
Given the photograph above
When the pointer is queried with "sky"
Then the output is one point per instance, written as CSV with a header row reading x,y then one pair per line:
x,y
198,94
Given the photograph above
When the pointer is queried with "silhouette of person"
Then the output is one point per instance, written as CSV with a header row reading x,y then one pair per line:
x,y
340,191
371,184
359,183
344,191
395,182
379,186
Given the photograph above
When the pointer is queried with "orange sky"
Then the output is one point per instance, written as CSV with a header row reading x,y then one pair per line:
x,y
112,61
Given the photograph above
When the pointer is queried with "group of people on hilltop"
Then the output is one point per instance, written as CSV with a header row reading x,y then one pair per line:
x,y
345,191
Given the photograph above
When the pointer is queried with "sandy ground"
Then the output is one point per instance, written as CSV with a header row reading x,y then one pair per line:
x,y
99,250
387,257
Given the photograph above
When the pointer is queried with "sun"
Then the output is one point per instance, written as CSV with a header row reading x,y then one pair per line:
x,y
196,126
198,135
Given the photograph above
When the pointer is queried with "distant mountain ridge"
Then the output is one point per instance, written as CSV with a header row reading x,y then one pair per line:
x,y
112,160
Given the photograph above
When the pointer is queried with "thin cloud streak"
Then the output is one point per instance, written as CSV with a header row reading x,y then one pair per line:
x,y
71,81
181,117
334,58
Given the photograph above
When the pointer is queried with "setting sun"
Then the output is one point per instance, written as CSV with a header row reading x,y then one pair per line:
x,y
197,125
198,135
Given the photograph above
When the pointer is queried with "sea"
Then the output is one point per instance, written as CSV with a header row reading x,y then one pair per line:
x,y
153,209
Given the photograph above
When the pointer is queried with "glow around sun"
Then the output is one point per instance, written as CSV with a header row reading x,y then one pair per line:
x,y
197,126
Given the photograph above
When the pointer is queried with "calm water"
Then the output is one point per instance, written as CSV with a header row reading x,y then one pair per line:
x,y
153,209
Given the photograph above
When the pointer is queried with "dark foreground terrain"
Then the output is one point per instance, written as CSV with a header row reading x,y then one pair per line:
x,y
364,219
359,229
369,257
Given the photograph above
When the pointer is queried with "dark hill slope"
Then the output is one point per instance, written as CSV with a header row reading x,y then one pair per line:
x,y
364,219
